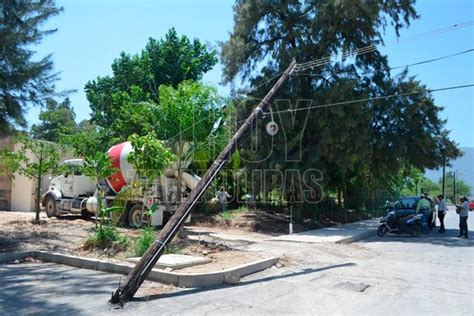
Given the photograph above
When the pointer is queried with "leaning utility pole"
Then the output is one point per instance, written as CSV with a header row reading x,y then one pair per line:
x,y
141,270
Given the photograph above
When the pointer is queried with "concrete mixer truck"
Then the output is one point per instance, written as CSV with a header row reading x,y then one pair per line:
x,y
75,193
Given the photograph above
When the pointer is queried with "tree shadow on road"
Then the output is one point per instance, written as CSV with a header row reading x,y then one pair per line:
x,y
39,288
448,239
244,283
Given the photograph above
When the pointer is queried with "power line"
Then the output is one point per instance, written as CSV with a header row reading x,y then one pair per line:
x,y
408,65
434,59
466,171
372,48
369,99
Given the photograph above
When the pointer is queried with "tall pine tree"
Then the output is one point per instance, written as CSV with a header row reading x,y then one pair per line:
x,y
359,145
24,80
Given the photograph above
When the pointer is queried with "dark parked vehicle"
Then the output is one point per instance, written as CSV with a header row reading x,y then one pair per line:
x,y
400,223
409,203
400,218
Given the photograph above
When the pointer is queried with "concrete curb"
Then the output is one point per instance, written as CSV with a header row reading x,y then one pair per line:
x,y
229,276
12,256
357,237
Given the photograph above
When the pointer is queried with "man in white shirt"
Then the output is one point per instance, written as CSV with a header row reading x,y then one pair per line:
x,y
222,196
442,208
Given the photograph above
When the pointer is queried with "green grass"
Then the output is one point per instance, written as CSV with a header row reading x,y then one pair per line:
x,y
226,215
231,214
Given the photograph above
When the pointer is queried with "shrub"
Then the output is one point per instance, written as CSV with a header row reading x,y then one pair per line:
x,y
143,242
226,215
107,237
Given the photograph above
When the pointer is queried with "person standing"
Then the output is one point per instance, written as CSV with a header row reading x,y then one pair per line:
x,y
424,207
222,196
431,216
442,208
463,215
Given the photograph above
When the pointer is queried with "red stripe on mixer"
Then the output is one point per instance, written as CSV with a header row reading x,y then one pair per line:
x,y
116,180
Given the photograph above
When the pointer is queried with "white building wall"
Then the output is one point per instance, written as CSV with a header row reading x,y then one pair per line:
x,y
23,199
23,189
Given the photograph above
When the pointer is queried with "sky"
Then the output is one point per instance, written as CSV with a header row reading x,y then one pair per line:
x,y
91,34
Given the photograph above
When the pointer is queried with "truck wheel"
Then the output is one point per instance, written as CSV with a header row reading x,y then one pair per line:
x,y
135,215
118,218
50,206
86,214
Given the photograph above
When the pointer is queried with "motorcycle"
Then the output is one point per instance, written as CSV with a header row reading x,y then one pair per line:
x,y
394,222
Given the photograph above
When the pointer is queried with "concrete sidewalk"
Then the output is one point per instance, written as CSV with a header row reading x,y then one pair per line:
x,y
338,234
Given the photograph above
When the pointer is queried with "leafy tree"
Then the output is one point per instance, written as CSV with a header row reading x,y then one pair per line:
x,y
86,125
98,166
186,118
392,134
150,156
87,141
430,187
34,159
56,121
24,80
137,78
462,188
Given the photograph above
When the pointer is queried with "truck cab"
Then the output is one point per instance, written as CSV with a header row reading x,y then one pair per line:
x,y
73,183
68,192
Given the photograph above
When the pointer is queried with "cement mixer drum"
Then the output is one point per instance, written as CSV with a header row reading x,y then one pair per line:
x,y
125,171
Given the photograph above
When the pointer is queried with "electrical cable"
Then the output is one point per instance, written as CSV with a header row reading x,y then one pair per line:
x,y
371,99
371,48
434,59
406,66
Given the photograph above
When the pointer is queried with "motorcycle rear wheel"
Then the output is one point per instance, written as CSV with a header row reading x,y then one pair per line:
x,y
416,231
382,231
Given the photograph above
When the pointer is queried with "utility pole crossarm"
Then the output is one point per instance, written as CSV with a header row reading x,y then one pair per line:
x,y
143,267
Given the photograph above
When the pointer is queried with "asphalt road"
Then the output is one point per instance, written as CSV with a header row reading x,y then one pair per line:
x,y
395,275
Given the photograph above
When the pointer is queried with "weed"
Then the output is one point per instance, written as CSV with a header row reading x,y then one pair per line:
x,y
107,237
226,215
230,214
170,249
143,242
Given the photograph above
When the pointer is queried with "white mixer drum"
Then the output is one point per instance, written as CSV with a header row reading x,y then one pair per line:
x,y
125,174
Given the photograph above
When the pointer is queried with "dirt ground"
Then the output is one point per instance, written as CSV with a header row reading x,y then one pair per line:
x,y
272,222
68,233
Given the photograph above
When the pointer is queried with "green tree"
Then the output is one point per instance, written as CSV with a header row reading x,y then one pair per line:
x,y
392,135
462,188
34,159
24,79
186,118
57,120
150,156
137,78
98,166
87,141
